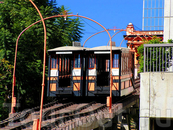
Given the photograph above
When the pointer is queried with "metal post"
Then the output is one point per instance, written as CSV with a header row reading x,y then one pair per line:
x,y
144,57
165,58
169,52
111,83
159,57
147,60
150,60
162,57
172,57
44,63
156,59
153,59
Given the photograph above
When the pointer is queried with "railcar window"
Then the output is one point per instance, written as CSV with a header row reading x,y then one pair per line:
x,y
107,66
53,62
122,65
60,69
64,71
126,63
115,60
77,61
91,61
64,66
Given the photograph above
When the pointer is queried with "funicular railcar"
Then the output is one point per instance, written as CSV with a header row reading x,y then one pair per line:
x,y
79,71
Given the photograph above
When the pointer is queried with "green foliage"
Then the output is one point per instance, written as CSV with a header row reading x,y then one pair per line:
x,y
155,56
140,50
15,16
5,84
170,41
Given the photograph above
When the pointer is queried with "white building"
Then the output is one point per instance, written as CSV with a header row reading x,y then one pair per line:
x,y
168,20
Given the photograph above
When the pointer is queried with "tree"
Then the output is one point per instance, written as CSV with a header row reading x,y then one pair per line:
x,y
5,80
16,16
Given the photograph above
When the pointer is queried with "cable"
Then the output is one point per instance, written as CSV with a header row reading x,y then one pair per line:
x,y
89,25
90,32
137,28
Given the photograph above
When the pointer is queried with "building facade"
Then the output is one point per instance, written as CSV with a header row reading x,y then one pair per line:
x,y
153,15
168,20
136,38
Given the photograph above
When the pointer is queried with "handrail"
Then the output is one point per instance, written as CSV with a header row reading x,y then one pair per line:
x,y
158,57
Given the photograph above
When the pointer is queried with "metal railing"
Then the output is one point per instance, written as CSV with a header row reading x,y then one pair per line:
x,y
158,57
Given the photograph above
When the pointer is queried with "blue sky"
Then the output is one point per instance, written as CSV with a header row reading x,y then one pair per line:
x,y
109,13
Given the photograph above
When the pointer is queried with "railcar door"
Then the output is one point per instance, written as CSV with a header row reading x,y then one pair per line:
x,y
126,73
53,75
91,75
103,65
116,74
77,74
64,69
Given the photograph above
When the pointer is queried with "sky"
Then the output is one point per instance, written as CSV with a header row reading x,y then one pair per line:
x,y
109,13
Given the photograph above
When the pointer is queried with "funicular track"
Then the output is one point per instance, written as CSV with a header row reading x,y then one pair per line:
x,y
20,116
137,83
52,112
67,114
97,112
24,114
64,115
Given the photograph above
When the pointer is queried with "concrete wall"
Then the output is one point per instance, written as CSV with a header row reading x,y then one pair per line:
x,y
156,97
168,20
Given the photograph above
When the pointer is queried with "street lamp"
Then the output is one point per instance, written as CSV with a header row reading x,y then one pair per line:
x,y
44,61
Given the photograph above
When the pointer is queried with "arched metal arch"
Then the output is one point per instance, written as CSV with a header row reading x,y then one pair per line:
x,y
114,35
55,16
101,32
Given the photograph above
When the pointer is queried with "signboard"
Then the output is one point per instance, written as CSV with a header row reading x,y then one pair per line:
x,y
76,72
53,72
92,72
115,72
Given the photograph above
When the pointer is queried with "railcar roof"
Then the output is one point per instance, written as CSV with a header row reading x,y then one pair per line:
x,y
68,48
107,48
99,48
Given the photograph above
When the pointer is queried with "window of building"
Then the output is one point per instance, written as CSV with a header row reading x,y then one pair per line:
x,y
149,13
153,22
153,9
145,3
161,3
153,3
149,4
